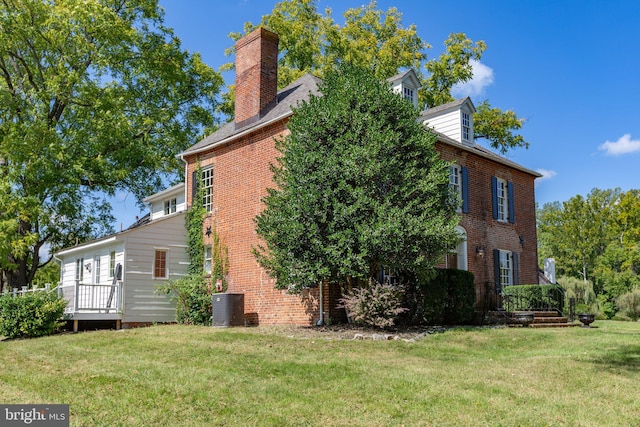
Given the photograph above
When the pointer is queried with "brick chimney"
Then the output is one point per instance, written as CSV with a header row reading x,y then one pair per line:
x,y
256,75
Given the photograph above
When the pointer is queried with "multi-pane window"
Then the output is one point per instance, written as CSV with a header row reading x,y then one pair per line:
x,y
170,206
207,190
466,126
407,94
79,266
455,184
389,276
160,264
112,263
502,200
208,257
506,268
96,269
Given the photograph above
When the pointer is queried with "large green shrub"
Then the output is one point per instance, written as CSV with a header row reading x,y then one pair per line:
x,y
441,296
33,314
193,296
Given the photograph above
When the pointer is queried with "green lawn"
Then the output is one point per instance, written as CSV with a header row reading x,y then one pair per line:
x,y
197,376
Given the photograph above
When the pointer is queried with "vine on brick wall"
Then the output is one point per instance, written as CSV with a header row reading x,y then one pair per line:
x,y
220,257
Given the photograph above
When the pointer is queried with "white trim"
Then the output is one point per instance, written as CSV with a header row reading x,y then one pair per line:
x,y
88,245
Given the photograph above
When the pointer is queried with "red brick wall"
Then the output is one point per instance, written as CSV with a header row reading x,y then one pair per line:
x,y
241,176
483,230
256,75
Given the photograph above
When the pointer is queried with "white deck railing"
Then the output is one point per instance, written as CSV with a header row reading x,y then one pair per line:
x,y
83,297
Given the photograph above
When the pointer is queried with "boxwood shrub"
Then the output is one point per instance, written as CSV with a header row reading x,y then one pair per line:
x,y
441,296
33,314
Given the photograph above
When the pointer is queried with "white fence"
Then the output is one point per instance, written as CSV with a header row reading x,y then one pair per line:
x,y
81,297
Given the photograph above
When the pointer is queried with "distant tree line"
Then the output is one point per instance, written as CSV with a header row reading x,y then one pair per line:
x,y
595,239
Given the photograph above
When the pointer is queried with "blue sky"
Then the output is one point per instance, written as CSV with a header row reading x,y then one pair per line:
x,y
570,68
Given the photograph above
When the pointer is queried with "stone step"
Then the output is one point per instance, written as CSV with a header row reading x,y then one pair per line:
x,y
553,325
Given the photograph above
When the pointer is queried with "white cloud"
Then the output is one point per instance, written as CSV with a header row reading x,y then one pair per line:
x,y
624,145
482,77
546,174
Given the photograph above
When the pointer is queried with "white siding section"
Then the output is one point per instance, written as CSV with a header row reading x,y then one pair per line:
x,y
157,206
135,250
448,124
141,301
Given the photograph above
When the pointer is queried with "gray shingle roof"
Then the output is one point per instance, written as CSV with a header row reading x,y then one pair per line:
x,y
288,97
436,110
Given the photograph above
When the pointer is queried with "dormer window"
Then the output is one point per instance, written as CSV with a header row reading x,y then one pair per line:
x,y
466,126
170,206
407,94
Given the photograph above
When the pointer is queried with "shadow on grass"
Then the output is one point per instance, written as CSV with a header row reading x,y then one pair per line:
x,y
622,358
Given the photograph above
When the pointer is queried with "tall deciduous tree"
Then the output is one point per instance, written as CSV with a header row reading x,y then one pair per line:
x,y
360,186
95,96
312,42
595,238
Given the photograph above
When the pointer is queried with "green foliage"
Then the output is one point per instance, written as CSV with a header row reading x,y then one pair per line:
x,y
360,186
498,127
595,238
194,220
581,290
193,297
34,314
443,296
527,297
450,68
312,42
376,304
49,274
629,304
95,97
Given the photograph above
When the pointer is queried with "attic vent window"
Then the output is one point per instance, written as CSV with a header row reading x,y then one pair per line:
x,y
466,126
170,206
407,94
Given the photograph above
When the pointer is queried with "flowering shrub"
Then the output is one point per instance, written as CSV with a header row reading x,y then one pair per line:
x,y
375,305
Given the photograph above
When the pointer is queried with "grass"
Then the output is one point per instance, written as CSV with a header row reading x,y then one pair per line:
x,y
197,376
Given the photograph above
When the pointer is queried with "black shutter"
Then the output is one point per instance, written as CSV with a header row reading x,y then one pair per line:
x,y
516,272
494,196
512,214
496,271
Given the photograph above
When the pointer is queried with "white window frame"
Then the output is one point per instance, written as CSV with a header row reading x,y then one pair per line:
x,y
170,206
408,93
207,188
79,270
156,251
455,184
208,259
506,268
502,197
389,276
96,269
466,126
112,263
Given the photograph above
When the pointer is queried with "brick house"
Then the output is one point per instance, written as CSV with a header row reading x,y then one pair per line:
x,y
497,206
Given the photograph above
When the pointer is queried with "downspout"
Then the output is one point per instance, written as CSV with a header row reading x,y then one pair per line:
x,y
321,320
